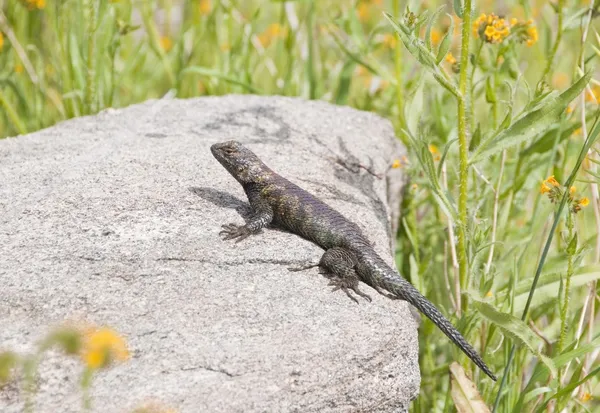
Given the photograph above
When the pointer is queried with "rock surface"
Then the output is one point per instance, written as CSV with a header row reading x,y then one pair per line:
x,y
114,219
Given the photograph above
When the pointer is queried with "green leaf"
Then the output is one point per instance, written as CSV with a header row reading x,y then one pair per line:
x,y
476,138
458,8
426,160
416,47
430,25
568,389
530,124
516,329
415,109
572,247
549,284
446,41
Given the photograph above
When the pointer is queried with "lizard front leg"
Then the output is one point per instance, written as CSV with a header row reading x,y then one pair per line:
x,y
261,217
339,266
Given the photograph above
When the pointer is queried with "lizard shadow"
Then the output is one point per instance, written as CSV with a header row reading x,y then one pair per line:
x,y
223,200
226,200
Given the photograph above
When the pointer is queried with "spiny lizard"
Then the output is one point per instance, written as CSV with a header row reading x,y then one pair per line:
x,y
349,256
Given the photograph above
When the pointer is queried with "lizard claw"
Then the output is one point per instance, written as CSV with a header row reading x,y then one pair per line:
x,y
232,231
345,286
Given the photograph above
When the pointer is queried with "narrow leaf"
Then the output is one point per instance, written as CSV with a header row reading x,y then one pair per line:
x,y
446,42
516,329
416,47
531,124
430,25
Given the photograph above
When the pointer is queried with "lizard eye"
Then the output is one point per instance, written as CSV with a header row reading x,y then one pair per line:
x,y
229,151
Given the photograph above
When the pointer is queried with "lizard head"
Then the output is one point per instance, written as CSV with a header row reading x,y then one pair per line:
x,y
240,161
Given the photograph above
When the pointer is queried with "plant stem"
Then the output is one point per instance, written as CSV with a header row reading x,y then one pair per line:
x,y
398,69
463,151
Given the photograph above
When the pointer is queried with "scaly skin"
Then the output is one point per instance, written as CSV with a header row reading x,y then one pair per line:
x,y
349,256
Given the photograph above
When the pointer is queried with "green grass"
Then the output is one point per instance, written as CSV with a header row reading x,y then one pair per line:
x,y
515,271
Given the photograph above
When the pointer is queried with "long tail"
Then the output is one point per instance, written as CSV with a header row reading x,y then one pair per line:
x,y
404,290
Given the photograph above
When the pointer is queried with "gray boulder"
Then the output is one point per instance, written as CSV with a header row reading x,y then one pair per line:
x,y
114,219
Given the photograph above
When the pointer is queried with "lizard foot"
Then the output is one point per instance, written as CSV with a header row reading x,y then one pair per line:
x,y
346,285
232,231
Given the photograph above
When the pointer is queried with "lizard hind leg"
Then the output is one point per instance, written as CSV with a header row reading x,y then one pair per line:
x,y
338,265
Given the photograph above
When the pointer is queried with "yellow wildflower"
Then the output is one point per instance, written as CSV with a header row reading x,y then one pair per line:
x,y
450,59
363,11
544,188
489,294
397,164
585,397
569,109
273,31
491,28
166,43
18,68
572,190
436,36
560,80
552,181
204,7
34,4
103,346
390,40
532,36
435,152
593,95
414,187
1,40
525,31
584,202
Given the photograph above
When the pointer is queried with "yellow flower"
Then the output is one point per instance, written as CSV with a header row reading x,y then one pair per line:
x,y
35,4
363,11
532,36
436,36
225,47
560,80
273,31
450,59
204,7
552,181
584,202
414,187
593,95
390,40
569,109
18,68
396,164
491,28
103,346
166,43
585,397
435,152
544,188
1,40
489,294
572,190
